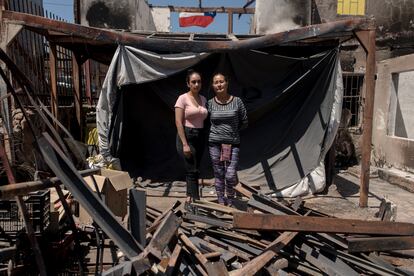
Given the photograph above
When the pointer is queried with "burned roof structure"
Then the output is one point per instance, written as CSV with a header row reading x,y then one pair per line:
x,y
300,51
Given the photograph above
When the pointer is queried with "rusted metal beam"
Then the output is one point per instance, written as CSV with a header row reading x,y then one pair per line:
x,y
320,224
226,255
77,94
271,251
245,190
217,268
380,244
137,214
329,264
367,39
214,206
208,9
88,92
65,170
252,267
187,242
160,217
230,22
163,235
39,24
23,188
172,262
208,220
53,80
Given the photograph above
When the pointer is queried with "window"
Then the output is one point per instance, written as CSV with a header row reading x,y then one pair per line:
x,y
352,96
351,7
401,114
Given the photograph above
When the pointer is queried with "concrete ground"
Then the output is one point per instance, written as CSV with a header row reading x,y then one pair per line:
x,y
341,199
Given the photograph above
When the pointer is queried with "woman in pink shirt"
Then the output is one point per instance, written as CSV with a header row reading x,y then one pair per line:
x,y
190,113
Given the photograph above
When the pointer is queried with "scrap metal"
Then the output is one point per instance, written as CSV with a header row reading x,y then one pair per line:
x,y
320,224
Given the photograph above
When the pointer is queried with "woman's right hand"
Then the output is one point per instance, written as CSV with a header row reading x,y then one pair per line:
x,y
187,151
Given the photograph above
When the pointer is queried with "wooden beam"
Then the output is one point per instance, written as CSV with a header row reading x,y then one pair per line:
x,y
53,79
208,9
367,39
93,35
380,244
320,224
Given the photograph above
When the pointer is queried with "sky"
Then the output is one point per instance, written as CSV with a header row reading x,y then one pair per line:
x,y
64,9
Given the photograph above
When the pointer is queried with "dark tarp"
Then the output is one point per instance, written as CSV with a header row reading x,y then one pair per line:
x,y
289,103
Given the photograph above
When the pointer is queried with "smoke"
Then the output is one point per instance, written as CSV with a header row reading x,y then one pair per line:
x,y
275,16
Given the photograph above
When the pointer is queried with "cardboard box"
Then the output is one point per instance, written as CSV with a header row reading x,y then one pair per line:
x,y
113,186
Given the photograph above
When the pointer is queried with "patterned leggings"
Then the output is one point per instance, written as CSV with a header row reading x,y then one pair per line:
x,y
225,173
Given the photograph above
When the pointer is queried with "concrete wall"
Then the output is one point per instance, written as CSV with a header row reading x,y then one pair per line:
x,y
117,14
392,15
393,99
326,9
162,19
281,15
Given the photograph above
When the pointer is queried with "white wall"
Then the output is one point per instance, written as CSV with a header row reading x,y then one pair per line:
x,y
281,15
393,109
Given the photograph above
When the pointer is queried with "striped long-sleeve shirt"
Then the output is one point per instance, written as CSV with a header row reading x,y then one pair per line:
x,y
226,121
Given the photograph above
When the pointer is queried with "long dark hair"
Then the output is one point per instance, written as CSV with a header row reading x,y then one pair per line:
x,y
190,72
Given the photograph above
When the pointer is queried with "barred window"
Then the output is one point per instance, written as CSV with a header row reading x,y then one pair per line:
x,y
351,7
352,96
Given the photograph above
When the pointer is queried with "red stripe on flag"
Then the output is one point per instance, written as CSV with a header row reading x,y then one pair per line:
x,y
200,21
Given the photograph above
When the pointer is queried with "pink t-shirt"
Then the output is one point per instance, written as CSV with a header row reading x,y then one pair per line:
x,y
193,115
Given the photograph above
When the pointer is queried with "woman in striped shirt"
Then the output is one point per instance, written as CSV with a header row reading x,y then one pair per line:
x,y
228,116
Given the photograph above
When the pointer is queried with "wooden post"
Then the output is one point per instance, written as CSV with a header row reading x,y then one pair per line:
x,y
230,25
53,80
77,94
367,39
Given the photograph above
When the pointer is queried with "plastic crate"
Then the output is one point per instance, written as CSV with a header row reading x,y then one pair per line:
x,y
38,208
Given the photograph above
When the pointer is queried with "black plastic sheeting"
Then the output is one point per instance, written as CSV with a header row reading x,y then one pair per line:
x,y
289,103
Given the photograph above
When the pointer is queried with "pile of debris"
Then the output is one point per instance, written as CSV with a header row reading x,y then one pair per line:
x,y
269,237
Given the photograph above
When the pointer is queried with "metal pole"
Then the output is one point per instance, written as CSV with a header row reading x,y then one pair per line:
x,y
230,25
77,93
53,80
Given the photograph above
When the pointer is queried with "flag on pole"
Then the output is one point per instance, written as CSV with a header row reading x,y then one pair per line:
x,y
200,19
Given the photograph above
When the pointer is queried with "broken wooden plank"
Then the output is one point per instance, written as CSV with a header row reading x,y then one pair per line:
x,y
320,224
